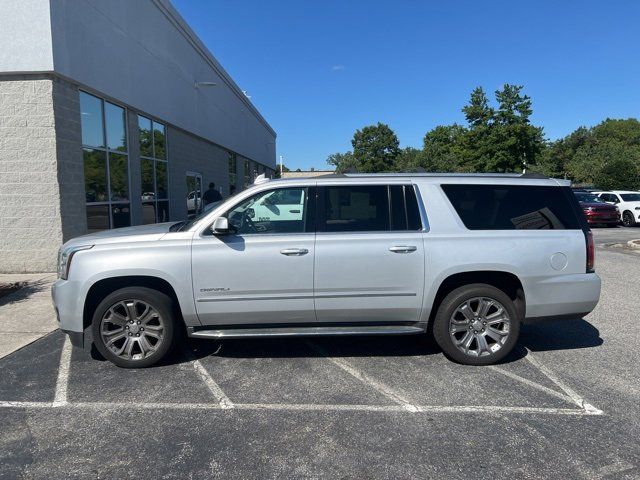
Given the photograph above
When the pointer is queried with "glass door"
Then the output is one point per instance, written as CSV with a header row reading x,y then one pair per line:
x,y
194,194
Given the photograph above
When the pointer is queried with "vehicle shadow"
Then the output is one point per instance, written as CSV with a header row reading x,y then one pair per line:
x,y
542,336
22,291
566,334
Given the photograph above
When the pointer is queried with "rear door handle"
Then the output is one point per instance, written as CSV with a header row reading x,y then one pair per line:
x,y
403,249
294,252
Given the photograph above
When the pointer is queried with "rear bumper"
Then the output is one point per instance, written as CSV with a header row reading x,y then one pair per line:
x,y
568,295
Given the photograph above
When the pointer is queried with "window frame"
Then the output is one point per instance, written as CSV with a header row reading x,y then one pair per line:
x,y
573,203
155,161
321,212
309,215
107,151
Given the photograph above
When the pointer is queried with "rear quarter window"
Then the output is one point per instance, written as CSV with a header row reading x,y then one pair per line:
x,y
513,207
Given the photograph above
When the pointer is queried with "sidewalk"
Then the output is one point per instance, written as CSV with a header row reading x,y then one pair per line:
x,y
26,314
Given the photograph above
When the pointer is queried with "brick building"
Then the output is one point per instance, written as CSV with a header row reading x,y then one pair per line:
x,y
112,114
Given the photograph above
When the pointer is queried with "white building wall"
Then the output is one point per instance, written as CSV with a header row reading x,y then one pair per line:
x,y
30,220
143,54
25,36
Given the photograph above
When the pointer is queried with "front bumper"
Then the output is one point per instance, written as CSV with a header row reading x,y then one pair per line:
x,y
68,302
599,219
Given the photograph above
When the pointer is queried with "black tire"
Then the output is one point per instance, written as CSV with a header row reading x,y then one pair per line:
x,y
164,307
628,220
454,300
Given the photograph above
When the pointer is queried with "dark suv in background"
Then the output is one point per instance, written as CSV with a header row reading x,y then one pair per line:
x,y
597,211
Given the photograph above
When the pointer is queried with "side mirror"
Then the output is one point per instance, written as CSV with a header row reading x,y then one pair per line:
x,y
220,226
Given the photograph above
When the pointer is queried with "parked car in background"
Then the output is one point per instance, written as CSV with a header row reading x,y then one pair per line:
x,y
466,257
193,201
628,203
597,211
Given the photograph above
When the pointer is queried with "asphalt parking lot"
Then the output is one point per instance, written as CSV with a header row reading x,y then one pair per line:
x,y
566,403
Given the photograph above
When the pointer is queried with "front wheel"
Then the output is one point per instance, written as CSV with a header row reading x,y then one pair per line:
x,y
477,325
628,220
134,327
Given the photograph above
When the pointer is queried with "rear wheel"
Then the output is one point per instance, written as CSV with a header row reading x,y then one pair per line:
x,y
134,327
477,325
628,220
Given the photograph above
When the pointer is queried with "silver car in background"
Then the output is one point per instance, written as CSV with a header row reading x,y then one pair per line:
x,y
465,257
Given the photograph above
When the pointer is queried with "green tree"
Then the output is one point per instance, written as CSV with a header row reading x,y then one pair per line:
x,y
478,112
375,148
502,139
410,159
603,155
444,149
342,162
606,164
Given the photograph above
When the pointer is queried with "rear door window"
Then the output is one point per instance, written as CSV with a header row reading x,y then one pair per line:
x,y
356,208
513,207
368,208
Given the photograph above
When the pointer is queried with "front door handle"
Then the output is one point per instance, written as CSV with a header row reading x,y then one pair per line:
x,y
403,249
294,252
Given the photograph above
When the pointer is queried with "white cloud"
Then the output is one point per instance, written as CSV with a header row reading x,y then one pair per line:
x,y
337,68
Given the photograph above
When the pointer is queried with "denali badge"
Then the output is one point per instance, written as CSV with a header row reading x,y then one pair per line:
x,y
216,289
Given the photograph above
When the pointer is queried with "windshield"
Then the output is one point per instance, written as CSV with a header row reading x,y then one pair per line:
x,y
588,197
631,197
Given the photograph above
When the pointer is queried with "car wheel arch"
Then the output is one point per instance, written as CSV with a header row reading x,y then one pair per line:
x,y
507,282
103,287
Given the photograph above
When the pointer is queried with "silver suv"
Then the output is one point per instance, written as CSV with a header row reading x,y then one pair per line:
x,y
465,257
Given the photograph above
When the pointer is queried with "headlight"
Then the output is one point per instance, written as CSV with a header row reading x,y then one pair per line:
x,y
65,254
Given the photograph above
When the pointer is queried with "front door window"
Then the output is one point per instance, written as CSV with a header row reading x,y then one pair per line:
x,y
274,211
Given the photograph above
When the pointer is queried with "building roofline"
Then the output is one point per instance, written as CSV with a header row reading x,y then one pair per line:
x,y
187,32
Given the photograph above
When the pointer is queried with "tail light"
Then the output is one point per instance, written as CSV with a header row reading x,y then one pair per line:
x,y
591,252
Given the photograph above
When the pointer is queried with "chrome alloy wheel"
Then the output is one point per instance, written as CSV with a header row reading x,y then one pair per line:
x,y
132,329
479,327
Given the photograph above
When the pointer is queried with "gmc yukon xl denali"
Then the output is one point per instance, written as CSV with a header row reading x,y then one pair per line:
x,y
465,258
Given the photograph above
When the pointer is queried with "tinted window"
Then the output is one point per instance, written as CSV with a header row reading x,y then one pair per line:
x,y
404,208
512,207
119,181
398,209
116,136
413,213
587,197
353,208
144,128
275,211
631,197
95,177
91,120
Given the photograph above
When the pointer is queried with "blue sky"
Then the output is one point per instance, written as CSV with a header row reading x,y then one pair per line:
x,y
319,70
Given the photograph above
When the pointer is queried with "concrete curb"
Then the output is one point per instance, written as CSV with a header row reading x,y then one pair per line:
x,y
634,244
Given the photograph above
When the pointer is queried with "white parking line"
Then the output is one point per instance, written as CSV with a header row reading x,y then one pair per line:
x,y
577,399
306,407
223,400
401,403
531,384
62,383
364,378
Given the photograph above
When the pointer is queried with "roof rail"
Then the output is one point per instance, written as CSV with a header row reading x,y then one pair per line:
x,y
534,175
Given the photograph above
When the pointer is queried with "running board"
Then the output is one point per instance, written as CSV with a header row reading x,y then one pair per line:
x,y
305,331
